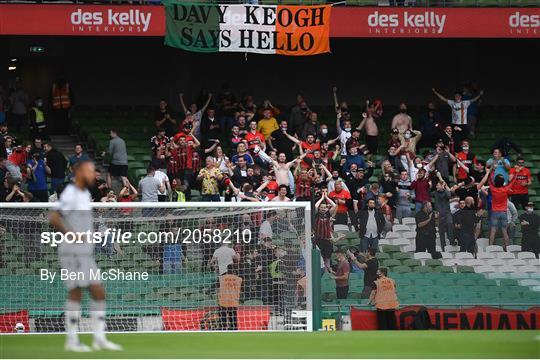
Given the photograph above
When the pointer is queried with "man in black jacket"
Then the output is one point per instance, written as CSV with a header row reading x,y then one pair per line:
x,y
57,162
465,220
530,222
370,226
426,232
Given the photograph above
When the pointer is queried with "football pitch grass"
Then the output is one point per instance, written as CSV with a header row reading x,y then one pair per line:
x,y
357,344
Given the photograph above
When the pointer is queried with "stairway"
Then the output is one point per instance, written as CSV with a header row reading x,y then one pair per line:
x,y
64,143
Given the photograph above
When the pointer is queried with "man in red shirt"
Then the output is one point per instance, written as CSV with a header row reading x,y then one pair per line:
x,y
341,275
467,158
523,179
183,161
255,142
421,188
254,138
342,198
499,206
308,147
270,186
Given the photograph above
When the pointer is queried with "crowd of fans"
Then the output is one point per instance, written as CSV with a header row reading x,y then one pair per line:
x,y
224,148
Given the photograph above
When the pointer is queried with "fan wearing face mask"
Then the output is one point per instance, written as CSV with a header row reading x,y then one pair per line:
x,y
467,158
409,139
402,121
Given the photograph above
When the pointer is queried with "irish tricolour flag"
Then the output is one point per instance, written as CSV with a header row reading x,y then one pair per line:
x,y
263,29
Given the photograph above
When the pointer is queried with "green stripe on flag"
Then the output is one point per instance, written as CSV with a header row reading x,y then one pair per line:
x,y
192,26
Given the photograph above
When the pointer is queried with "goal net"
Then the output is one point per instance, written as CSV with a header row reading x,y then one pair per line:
x,y
164,267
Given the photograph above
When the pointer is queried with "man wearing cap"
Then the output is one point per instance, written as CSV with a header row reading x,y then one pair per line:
x,y
530,223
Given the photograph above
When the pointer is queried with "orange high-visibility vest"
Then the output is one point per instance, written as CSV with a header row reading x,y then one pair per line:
x,y
385,295
60,97
229,290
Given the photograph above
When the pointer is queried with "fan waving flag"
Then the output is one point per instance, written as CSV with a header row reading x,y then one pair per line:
x,y
262,29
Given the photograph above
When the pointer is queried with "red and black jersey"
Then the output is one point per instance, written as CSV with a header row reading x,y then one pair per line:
x,y
156,141
173,163
254,139
303,188
272,189
468,159
323,227
188,158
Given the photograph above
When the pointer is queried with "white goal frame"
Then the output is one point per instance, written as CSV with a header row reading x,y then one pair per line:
x,y
215,205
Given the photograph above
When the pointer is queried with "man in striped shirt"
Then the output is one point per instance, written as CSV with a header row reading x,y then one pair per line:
x,y
405,196
459,110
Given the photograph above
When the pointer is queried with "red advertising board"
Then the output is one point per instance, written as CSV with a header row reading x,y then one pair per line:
x,y
8,321
351,22
249,318
82,20
392,22
476,318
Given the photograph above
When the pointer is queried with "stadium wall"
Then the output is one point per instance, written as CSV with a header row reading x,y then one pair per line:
x,y
141,70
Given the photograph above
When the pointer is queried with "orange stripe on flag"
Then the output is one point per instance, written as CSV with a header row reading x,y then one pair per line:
x,y
303,30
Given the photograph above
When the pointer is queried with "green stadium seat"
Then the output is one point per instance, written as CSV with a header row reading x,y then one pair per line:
x,y
465,269
433,262
423,282
403,283
411,276
473,276
154,297
391,263
382,256
25,271
487,282
390,248
401,269
131,297
401,256
422,269
138,173
466,282
508,282
445,282
412,262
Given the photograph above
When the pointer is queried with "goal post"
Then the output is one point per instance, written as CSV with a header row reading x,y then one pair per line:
x,y
165,266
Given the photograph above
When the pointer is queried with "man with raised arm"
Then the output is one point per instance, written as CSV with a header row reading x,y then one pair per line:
x,y
459,109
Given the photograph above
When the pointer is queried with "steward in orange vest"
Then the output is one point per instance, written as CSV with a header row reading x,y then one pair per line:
x,y
61,97
230,286
384,297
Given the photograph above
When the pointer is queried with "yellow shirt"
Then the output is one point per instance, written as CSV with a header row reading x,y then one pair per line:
x,y
267,126
210,184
